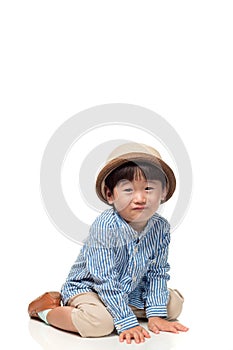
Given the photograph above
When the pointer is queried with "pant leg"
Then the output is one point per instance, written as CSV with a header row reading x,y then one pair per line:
x,y
90,316
175,304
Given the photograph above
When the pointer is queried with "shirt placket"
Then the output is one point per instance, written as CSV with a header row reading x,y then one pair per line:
x,y
133,262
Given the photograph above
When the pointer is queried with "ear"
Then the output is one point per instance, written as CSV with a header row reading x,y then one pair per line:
x,y
164,194
109,195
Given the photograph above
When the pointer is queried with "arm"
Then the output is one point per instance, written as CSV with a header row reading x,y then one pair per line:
x,y
158,294
157,277
113,296
101,265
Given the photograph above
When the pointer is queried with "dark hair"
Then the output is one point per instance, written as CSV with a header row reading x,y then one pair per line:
x,y
131,171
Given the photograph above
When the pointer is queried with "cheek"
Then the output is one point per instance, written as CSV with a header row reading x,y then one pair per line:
x,y
121,203
155,201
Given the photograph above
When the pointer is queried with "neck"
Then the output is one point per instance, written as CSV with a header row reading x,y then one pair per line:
x,y
138,226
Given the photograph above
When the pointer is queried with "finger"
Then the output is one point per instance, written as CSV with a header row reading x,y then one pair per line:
x,y
128,338
121,337
145,333
178,326
142,335
181,328
137,337
155,329
173,329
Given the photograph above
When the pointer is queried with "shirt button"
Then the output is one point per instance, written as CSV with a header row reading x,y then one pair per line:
x,y
134,278
135,249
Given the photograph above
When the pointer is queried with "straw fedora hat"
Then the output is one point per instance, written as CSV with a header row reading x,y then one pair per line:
x,y
135,152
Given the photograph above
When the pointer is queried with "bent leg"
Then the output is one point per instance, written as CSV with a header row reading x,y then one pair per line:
x,y
60,317
175,304
90,316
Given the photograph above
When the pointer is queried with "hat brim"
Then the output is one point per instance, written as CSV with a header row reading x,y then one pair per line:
x,y
135,157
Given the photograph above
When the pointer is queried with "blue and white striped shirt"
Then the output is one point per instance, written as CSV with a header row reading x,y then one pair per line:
x,y
123,267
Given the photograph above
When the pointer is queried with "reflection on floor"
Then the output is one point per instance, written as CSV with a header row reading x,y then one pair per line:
x,y
51,338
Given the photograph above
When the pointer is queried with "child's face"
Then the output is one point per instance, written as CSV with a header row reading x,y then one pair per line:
x,y
136,201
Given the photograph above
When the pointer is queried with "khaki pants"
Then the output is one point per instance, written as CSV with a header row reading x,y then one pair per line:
x,y
91,318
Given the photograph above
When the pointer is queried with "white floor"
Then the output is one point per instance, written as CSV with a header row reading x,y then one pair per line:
x,y
48,338
35,335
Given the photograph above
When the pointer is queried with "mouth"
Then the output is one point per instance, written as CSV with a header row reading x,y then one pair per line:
x,y
139,208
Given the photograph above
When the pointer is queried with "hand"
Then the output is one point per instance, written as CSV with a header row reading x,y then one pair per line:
x,y
137,333
157,324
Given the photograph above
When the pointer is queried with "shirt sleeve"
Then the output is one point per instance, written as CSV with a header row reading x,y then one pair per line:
x,y
157,277
100,259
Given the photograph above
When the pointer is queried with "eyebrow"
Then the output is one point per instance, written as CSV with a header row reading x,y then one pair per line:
x,y
123,181
152,181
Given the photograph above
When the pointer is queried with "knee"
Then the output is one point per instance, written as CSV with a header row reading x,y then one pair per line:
x,y
175,304
93,321
100,323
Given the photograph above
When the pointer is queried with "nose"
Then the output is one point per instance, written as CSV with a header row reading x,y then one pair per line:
x,y
139,197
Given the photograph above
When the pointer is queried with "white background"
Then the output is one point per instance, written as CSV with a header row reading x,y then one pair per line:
x,y
61,57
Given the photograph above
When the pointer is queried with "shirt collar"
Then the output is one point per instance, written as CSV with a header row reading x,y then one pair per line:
x,y
131,233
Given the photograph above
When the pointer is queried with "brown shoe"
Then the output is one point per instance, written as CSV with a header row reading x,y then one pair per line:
x,y
48,300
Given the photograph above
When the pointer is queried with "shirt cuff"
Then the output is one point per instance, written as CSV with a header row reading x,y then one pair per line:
x,y
126,323
159,311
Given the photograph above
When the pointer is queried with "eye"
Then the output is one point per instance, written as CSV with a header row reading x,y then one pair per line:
x,y
149,188
127,190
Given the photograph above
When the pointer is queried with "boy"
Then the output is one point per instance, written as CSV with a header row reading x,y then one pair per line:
x,y
121,274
